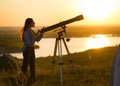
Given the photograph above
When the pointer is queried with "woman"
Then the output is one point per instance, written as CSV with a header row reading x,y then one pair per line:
x,y
29,37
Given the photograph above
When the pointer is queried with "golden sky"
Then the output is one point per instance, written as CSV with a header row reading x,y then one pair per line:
x,y
49,12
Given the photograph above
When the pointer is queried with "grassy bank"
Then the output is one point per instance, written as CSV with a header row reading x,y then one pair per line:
x,y
92,67
11,42
11,45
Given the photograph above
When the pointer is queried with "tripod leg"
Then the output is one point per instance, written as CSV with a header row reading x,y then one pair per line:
x,y
73,66
55,51
60,60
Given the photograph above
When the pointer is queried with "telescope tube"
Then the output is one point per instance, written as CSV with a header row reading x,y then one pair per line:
x,y
77,18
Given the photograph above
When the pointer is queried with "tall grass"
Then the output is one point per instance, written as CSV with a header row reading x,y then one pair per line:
x,y
92,67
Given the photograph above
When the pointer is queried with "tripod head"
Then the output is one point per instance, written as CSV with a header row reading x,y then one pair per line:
x,y
63,30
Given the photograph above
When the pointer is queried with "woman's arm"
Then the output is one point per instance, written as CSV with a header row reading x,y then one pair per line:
x,y
28,38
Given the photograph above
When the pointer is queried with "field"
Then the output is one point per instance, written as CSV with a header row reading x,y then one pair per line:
x,y
92,66
9,40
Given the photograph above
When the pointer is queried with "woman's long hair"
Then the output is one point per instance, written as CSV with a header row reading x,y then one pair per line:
x,y
26,25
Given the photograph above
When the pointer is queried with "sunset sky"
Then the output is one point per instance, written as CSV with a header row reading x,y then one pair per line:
x,y
49,12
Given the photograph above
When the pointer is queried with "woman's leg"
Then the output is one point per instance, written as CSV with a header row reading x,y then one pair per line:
x,y
25,61
32,64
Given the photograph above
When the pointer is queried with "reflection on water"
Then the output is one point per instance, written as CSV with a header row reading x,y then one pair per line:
x,y
74,45
97,41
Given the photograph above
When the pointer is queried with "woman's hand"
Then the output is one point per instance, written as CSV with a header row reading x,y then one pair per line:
x,y
39,36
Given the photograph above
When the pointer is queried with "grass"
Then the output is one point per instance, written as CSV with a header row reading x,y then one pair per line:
x,y
92,67
10,43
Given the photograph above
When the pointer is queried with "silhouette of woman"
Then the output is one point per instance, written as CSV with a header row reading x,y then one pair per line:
x,y
29,37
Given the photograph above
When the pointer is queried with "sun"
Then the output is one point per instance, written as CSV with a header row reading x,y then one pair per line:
x,y
96,9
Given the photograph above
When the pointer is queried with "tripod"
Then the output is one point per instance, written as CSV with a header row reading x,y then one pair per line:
x,y
58,44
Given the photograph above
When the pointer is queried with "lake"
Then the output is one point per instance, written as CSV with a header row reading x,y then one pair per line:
x,y
74,45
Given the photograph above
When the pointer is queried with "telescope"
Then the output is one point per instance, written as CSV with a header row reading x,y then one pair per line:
x,y
59,39
63,23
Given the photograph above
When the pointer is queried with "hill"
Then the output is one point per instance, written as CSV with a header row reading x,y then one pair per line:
x,y
92,67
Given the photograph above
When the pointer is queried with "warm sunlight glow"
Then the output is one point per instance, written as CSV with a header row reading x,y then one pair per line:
x,y
48,12
97,41
96,9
